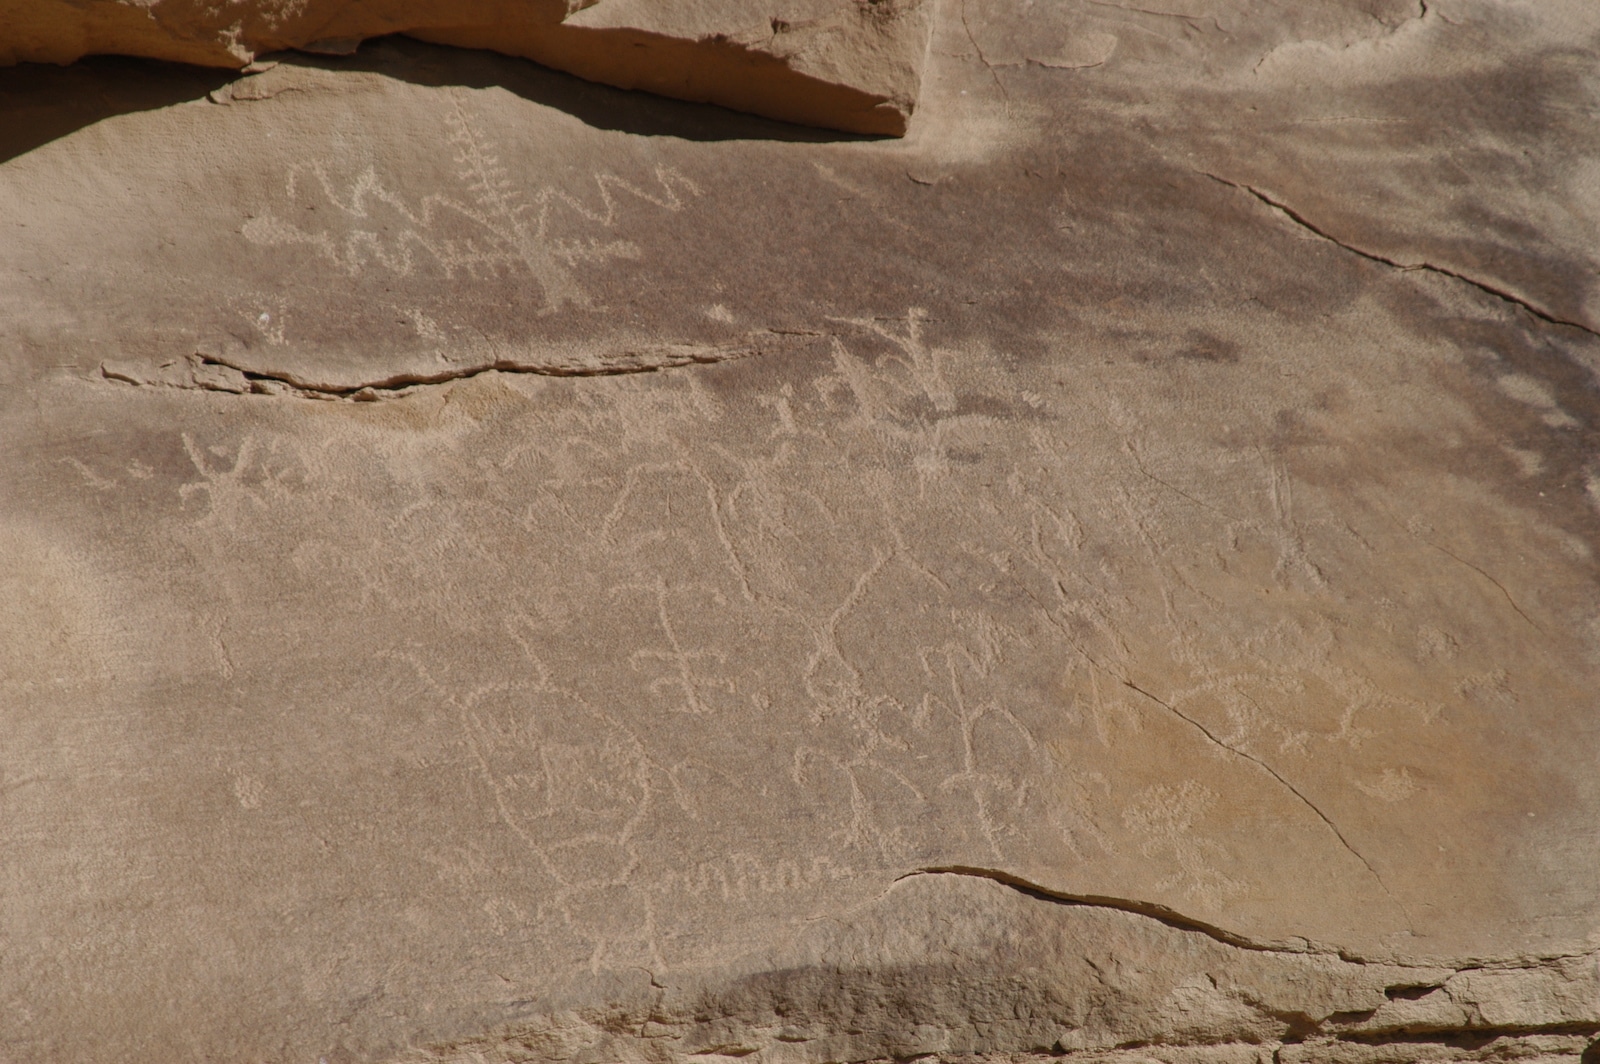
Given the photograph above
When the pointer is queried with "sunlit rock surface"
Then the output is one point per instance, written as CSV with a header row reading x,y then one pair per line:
x,y
502,568
845,64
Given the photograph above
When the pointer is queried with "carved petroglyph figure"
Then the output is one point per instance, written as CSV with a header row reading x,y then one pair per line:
x,y
498,568
491,225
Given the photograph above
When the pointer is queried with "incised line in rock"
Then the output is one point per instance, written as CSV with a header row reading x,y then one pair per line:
x,y
1138,461
1509,600
1269,770
1291,788
1448,553
978,49
1408,267
1192,21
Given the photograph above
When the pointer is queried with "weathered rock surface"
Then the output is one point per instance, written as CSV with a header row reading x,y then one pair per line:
x,y
853,65
503,568
959,965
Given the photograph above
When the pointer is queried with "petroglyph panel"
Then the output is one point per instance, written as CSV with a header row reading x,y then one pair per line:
x,y
503,568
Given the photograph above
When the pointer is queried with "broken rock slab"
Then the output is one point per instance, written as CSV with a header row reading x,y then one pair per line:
x,y
852,65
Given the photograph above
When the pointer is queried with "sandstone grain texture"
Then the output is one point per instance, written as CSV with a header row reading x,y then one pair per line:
x,y
845,64
501,568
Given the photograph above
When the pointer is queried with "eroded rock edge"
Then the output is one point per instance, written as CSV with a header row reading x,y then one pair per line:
x,y
1073,977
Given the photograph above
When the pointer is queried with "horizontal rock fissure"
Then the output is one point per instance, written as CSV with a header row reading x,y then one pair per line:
x,y
1309,226
401,382
199,371
1138,1052
1466,1038
1179,921
1154,911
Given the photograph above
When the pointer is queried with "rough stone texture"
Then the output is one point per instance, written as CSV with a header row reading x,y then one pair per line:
x,y
846,64
961,966
500,568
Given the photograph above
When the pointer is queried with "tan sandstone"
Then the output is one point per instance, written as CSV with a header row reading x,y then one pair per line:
x,y
499,568
845,64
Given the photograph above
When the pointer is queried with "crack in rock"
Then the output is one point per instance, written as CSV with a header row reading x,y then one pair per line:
x,y
207,372
1182,922
1262,765
1286,211
962,962
1275,774
1152,910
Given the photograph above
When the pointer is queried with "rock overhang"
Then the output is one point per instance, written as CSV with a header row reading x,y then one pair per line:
x,y
851,65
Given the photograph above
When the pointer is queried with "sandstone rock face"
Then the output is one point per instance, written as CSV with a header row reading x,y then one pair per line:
x,y
853,65
501,568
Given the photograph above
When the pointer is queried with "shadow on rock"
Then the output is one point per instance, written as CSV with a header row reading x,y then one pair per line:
x,y
600,106
43,103
39,104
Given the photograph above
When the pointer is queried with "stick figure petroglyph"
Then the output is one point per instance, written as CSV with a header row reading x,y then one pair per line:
x,y
683,673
